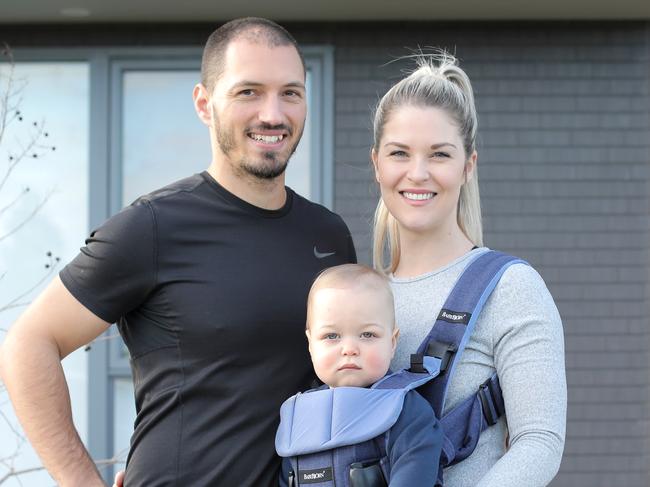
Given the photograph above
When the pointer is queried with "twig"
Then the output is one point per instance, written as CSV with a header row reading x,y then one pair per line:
x,y
25,150
4,106
7,307
117,459
16,303
29,217
16,200
31,145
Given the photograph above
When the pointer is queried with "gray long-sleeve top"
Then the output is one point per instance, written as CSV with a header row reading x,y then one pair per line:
x,y
518,334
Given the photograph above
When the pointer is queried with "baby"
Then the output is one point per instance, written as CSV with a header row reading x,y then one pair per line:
x,y
352,337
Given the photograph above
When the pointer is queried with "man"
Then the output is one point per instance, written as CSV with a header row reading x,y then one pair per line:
x,y
207,279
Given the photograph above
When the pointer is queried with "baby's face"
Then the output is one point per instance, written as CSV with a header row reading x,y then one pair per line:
x,y
351,336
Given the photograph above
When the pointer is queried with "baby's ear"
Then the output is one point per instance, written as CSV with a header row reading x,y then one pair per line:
x,y
394,339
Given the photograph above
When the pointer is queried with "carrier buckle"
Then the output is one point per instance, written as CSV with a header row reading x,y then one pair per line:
x,y
490,395
417,363
441,350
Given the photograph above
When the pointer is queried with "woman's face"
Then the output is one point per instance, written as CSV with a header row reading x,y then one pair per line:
x,y
420,166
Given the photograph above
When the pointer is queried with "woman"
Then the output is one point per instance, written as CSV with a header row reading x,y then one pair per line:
x,y
427,229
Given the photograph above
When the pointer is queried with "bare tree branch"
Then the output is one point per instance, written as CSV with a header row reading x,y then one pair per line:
x,y
118,459
33,148
15,200
29,143
11,96
7,94
50,267
11,426
28,217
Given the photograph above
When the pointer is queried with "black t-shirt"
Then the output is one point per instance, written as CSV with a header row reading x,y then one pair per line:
x,y
209,293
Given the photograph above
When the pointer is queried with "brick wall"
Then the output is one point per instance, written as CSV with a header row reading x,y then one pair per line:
x,y
564,165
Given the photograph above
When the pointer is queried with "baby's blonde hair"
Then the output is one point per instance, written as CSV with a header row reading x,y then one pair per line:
x,y
350,277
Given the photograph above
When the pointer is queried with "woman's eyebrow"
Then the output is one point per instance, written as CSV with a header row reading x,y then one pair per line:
x,y
443,144
397,144
434,146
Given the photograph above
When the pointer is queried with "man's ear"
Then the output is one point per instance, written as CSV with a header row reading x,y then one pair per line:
x,y
202,104
374,159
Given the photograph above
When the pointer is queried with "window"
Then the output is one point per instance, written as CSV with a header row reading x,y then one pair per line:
x,y
55,96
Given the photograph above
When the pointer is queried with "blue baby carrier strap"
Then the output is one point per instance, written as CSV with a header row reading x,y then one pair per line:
x,y
324,430
446,342
463,425
455,322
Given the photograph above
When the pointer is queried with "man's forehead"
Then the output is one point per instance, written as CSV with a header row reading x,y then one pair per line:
x,y
245,54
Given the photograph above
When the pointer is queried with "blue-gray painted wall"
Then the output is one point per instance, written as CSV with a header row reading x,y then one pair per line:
x,y
564,167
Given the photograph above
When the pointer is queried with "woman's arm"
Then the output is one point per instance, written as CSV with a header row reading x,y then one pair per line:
x,y
529,358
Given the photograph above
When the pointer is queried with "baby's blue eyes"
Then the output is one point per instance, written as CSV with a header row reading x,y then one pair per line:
x,y
336,336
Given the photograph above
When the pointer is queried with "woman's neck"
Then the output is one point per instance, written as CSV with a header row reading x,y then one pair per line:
x,y
420,254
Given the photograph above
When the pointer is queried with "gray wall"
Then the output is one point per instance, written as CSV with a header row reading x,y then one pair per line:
x,y
564,163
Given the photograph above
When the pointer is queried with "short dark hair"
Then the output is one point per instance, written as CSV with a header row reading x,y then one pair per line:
x,y
253,29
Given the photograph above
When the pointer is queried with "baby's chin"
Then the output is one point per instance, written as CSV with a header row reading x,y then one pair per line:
x,y
351,382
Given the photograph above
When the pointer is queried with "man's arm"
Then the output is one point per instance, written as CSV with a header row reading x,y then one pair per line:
x,y
30,364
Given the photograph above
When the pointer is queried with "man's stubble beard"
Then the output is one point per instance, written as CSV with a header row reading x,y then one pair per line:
x,y
272,166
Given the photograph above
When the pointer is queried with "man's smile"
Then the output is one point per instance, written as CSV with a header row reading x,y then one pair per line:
x,y
269,139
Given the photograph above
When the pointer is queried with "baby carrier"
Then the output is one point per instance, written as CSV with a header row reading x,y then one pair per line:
x,y
337,437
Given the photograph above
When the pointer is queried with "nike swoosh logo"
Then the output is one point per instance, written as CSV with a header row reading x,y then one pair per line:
x,y
322,255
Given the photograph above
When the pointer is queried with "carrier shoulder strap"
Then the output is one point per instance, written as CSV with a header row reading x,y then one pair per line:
x,y
455,323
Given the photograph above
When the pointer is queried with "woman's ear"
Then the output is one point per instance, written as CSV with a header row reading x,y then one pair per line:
x,y
374,159
470,166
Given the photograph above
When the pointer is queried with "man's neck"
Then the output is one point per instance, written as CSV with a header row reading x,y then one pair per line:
x,y
267,194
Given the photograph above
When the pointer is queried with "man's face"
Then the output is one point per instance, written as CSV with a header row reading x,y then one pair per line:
x,y
258,108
